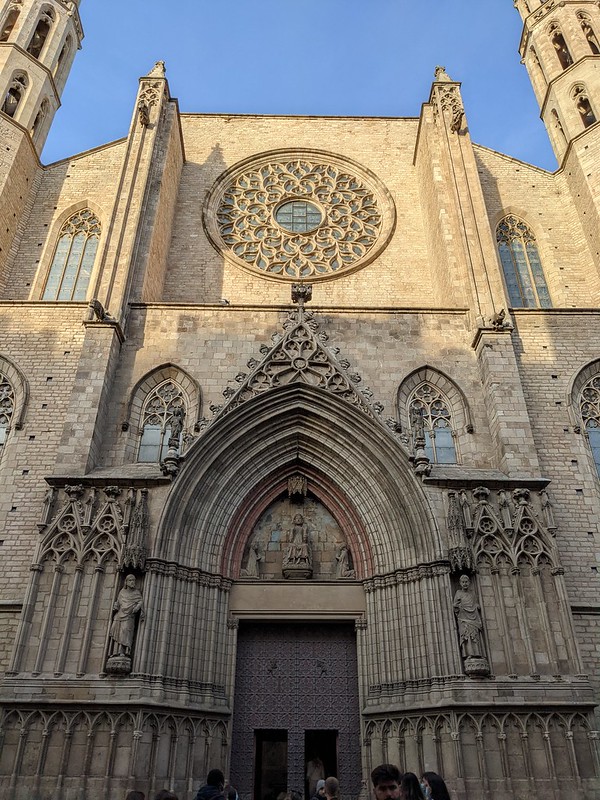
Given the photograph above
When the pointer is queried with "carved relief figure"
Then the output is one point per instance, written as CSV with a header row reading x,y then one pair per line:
x,y
342,568
127,605
469,621
252,566
298,550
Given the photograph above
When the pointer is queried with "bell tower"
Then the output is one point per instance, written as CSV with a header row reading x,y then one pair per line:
x,y
38,42
560,47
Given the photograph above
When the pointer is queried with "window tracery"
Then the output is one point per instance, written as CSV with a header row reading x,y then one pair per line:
x,y
161,408
430,404
588,31
521,264
297,215
7,407
74,258
15,94
589,409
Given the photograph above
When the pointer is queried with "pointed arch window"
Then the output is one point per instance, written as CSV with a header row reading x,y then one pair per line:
x,y
162,417
39,118
7,408
65,51
9,24
74,258
521,264
40,34
583,105
588,32
559,44
15,94
589,408
429,402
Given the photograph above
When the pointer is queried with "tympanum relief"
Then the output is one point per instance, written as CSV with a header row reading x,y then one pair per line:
x,y
297,541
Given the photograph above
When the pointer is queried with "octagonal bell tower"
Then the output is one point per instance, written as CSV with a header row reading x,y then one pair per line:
x,y
560,47
38,42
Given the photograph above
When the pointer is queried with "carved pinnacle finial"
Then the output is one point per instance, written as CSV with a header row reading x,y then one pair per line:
x,y
301,293
442,75
157,71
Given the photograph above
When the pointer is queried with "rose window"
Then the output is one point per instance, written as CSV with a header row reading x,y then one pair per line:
x,y
295,216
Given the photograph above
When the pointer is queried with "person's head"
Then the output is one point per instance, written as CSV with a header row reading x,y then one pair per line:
x,y
410,787
386,782
216,778
435,782
321,788
464,581
165,794
332,787
135,795
298,519
130,581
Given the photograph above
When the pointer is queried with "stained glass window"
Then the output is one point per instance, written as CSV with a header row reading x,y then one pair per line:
x,y
298,216
431,404
158,414
7,407
589,406
521,263
73,258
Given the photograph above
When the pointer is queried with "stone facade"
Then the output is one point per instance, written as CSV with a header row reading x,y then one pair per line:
x,y
275,372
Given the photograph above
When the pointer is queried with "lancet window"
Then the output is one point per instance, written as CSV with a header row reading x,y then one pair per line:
x,y
7,407
521,264
589,408
559,44
583,105
9,24
558,125
430,404
66,49
74,258
39,117
15,94
40,34
589,33
162,417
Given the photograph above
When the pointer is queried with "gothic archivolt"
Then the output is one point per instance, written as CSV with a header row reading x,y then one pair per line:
x,y
345,215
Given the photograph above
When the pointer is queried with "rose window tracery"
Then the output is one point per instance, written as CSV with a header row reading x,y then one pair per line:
x,y
295,216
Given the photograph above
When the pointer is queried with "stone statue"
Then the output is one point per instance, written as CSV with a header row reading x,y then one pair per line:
x,y
470,628
129,602
417,424
297,560
252,565
143,113
176,425
342,557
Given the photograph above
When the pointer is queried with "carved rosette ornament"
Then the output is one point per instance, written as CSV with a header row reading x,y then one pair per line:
x,y
295,214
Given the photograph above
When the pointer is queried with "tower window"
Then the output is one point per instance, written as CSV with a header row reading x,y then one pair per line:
x,y
42,29
161,407
589,34
14,95
559,44
584,107
429,403
558,125
9,24
73,258
39,118
589,408
521,264
66,49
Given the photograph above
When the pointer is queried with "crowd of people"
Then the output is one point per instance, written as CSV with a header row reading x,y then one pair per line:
x,y
388,784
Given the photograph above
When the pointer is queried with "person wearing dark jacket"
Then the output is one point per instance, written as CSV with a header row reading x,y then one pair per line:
x,y
213,788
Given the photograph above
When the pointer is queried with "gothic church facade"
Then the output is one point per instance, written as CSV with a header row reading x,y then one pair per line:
x,y
299,439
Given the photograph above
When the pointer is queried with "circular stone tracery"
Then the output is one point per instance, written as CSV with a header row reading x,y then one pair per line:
x,y
297,215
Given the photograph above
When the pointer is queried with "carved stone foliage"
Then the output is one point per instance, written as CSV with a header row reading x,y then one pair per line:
x,y
83,751
501,528
298,214
300,356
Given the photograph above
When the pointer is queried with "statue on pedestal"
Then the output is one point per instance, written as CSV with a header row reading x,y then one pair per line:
x,y
297,560
470,628
128,604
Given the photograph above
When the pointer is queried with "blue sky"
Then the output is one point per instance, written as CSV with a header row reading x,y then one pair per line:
x,y
341,57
